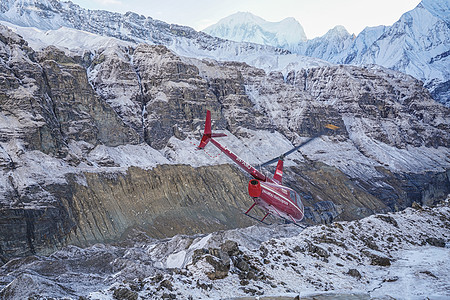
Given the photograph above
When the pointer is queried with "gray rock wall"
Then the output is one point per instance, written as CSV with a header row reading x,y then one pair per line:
x,y
56,110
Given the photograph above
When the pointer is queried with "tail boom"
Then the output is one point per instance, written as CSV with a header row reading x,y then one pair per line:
x,y
208,137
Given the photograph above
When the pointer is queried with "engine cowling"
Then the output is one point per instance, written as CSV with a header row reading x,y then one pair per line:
x,y
254,188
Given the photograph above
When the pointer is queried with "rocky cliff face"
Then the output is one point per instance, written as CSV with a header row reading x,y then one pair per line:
x,y
91,145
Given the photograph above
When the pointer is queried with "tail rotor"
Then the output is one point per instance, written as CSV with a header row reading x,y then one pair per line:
x,y
207,133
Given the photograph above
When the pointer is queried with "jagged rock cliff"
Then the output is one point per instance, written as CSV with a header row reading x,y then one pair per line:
x,y
90,144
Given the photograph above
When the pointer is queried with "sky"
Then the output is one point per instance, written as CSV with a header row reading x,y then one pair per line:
x,y
316,16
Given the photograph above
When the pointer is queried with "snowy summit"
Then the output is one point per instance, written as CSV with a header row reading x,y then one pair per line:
x,y
246,27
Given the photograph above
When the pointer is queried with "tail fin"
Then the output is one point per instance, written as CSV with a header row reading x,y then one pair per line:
x,y
207,134
278,176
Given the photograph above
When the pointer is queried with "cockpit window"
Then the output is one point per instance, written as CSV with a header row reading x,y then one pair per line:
x,y
293,197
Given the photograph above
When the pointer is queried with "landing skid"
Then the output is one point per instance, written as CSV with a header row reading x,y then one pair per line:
x,y
261,221
303,226
268,213
296,224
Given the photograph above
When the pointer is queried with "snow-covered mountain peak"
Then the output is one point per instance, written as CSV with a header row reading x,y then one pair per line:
x,y
242,18
289,21
246,27
417,44
338,31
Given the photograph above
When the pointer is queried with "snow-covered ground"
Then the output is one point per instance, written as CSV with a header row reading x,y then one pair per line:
x,y
404,255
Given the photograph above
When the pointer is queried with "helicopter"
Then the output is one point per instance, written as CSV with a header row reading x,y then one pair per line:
x,y
268,193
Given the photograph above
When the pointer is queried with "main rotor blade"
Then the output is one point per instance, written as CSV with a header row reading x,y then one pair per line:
x,y
282,156
290,151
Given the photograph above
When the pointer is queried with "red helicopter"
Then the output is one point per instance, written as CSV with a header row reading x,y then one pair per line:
x,y
268,193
